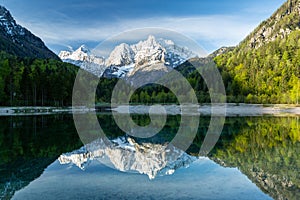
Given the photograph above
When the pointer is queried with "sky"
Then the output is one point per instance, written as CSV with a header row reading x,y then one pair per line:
x,y
211,23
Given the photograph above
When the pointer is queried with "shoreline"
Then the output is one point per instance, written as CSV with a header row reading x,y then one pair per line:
x,y
232,109
41,110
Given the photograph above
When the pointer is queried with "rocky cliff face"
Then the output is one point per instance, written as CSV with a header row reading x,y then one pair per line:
x,y
17,40
285,20
220,51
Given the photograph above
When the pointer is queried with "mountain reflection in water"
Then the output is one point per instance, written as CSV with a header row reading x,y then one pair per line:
x,y
126,155
255,155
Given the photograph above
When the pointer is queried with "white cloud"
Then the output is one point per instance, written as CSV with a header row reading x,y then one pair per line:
x,y
218,30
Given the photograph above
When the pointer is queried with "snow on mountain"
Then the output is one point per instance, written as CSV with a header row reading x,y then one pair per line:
x,y
126,155
146,55
122,55
82,54
10,25
83,58
19,41
126,60
118,72
150,51
175,55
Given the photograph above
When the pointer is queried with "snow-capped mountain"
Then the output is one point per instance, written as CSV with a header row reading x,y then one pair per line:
x,y
126,60
19,41
146,53
81,54
122,55
126,155
83,58
9,24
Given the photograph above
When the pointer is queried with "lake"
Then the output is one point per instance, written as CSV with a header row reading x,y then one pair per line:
x,y
42,157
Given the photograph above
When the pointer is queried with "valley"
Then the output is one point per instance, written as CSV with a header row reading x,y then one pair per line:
x,y
148,113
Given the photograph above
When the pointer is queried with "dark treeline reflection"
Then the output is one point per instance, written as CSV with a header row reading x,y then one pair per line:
x,y
36,137
29,144
266,149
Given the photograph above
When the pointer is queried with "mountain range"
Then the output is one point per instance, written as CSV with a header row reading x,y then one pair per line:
x,y
127,155
263,68
127,59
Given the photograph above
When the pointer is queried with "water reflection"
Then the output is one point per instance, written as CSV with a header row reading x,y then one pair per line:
x,y
267,150
264,149
28,144
204,179
126,155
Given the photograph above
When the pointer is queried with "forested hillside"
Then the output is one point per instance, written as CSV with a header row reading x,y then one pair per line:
x,y
35,82
265,67
268,74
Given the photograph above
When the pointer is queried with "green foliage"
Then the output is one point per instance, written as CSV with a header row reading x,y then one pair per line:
x,y
265,149
154,93
35,82
269,74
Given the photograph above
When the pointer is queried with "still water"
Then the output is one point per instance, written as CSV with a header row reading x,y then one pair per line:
x,y
42,157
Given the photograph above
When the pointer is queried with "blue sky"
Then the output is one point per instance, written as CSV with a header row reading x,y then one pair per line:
x,y
63,23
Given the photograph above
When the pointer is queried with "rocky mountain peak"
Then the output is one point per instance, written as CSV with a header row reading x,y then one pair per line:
x,y
126,59
151,40
17,40
5,13
79,54
148,51
121,55
84,58
83,48
8,23
149,43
